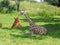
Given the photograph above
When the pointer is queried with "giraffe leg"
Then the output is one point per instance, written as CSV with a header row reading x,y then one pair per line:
x,y
31,31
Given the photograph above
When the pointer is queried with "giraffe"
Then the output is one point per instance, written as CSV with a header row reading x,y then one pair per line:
x,y
34,29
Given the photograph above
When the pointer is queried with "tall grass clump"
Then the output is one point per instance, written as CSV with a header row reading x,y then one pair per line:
x,y
41,9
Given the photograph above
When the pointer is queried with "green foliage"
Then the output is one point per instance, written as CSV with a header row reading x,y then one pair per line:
x,y
5,3
4,10
0,25
42,14
6,6
54,2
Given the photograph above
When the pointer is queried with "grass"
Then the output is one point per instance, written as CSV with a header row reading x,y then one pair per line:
x,y
43,15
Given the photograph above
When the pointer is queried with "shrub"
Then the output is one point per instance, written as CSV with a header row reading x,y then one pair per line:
x,y
0,25
54,2
4,10
6,6
11,8
5,3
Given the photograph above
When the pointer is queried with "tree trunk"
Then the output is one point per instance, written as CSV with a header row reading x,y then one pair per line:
x,y
18,5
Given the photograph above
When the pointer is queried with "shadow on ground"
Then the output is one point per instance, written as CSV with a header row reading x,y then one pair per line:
x,y
53,31
29,36
44,19
6,28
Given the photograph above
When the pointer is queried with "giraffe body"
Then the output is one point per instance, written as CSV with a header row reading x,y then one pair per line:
x,y
34,29
37,30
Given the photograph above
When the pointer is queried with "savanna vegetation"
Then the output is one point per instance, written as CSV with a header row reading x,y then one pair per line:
x,y
42,14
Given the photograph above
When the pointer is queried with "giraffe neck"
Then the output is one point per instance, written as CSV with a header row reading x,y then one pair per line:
x,y
28,19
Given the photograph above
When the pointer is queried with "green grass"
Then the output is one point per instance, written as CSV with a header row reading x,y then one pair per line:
x,y
47,16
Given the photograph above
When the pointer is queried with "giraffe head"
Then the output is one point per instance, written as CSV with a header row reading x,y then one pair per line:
x,y
22,12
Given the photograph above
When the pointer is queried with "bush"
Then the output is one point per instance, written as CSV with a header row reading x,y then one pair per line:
x,y
11,8
54,2
4,10
6,6
4,3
